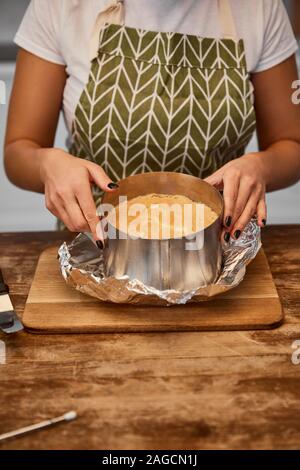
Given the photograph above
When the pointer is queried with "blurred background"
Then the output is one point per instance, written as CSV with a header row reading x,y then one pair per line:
x,y
21,210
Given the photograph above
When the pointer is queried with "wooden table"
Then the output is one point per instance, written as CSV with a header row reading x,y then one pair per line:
x,y
152,391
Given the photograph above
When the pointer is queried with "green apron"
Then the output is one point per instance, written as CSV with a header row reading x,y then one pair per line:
x,y
158,101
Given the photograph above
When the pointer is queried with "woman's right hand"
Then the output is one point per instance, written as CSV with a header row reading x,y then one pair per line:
x,y
67,181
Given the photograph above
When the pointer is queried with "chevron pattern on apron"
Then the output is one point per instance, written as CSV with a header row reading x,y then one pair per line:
x,y
164,102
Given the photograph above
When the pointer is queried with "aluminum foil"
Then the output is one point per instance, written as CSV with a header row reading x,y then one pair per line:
x,y
82,267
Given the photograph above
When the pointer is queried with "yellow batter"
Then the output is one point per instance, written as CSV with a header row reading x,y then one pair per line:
x,y
161,216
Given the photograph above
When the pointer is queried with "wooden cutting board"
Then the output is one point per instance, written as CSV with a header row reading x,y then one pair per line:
x,y
54,307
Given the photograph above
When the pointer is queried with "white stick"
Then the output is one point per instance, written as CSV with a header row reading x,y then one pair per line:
x,y
44,424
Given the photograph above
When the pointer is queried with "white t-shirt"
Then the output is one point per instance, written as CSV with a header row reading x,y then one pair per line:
x,y
59,31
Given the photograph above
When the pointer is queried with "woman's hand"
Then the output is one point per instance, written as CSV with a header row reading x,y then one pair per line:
x,y
244,187
67,183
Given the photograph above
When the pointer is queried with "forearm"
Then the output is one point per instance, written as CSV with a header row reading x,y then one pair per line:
x,y
280,164
22,161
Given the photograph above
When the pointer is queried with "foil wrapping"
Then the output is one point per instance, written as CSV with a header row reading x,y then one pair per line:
x,y
82,267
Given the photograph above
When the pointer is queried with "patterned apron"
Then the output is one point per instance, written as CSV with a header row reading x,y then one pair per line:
x,y
158,101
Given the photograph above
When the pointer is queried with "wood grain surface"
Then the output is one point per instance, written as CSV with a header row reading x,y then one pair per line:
x,y
54,307
216,390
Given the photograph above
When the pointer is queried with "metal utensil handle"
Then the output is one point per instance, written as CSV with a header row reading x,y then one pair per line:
x,y
9,320
35,427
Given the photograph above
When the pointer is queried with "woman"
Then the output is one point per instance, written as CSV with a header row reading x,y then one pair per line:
x,y
173,85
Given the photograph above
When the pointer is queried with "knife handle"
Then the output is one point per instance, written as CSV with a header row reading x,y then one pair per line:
x,y
9,320
6,320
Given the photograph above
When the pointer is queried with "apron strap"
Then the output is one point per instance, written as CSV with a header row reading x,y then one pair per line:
x,y
113,14
227,20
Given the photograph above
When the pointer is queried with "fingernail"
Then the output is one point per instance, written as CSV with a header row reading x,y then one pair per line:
x,y
228,221
112,185
264,222
227,237
237,234
99,244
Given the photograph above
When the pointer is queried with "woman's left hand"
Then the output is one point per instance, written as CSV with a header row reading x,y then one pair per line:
x,y
243,184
